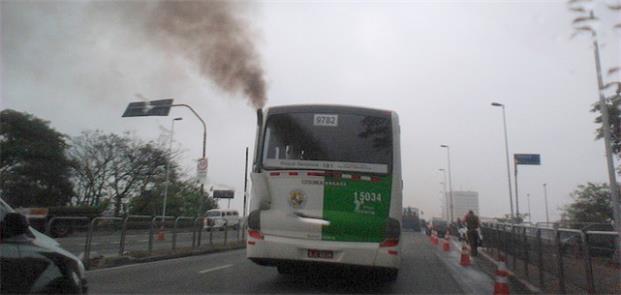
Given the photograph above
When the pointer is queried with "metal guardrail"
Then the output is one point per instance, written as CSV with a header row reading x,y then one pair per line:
x,y
128,222
174,237
89,237
152,227
557,260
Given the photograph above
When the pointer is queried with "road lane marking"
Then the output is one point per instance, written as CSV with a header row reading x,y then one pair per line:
x,y
163,261
215,268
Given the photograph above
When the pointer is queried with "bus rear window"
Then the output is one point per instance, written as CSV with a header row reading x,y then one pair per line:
x,y
328,141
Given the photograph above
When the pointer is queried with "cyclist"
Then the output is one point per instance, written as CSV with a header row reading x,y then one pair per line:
x,y
472,224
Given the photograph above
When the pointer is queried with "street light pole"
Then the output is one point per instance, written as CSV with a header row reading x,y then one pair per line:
x,y
504,121
162,108
446,199
612,177
172,132
545,197
204,146
529,213
450,179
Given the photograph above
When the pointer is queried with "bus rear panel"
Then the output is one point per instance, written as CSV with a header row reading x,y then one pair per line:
x,y
326,188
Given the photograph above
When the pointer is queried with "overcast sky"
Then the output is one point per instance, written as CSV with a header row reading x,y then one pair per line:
x,y
439,65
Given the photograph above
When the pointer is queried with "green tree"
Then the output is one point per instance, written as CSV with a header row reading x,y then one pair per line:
x,y
614,119
184,199
591,204
34,168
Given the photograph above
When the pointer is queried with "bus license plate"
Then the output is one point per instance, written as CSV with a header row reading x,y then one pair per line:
x,y
320,254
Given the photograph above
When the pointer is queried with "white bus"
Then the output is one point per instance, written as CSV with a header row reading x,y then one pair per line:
x,y
326,188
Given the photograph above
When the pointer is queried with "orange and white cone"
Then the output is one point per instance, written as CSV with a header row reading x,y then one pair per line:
x,y
161,234
501,287
435,238
464,260
446,245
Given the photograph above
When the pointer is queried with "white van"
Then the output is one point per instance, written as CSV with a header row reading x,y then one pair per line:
x,y
219,218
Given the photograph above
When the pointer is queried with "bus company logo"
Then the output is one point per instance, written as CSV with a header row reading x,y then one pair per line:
x,y
297,199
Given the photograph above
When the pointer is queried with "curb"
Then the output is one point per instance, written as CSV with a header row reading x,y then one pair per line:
x,y
513,278
125,260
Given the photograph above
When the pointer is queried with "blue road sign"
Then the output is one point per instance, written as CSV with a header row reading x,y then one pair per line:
x,y
148,108
223,194
527,159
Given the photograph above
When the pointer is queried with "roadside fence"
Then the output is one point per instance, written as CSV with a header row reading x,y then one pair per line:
x,y
557,260
140,235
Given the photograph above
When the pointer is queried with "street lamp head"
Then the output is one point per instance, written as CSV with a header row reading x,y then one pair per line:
x,y
441,169
444,146
496,104
178,119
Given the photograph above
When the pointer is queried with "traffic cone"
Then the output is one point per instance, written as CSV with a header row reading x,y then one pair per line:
x,y
446,245
435,238
501,287
161,234
464,260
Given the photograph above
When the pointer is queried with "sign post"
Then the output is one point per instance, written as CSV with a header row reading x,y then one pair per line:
x,y
522,159
201,170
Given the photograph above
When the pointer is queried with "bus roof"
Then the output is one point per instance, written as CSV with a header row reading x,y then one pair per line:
x,y
327,108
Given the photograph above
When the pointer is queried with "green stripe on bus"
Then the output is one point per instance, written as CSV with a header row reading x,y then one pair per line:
x,y
357,209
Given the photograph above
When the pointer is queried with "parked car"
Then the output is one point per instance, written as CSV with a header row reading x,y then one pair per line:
x,y
221,218
32,262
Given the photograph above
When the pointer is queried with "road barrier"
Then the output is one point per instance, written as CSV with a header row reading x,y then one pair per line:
x,y
89,237
152,229
464,259
556,259
136,232
175,229
501,284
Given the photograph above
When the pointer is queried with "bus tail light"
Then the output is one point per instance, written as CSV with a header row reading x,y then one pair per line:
x,y
389,243
392,233
255,234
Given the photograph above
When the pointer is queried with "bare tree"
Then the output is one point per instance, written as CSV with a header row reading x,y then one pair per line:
x,y
115,167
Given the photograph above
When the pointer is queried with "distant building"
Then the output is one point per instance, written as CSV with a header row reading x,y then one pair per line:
x,y
463,201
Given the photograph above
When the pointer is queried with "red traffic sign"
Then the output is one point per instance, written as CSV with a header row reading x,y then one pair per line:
x,y
202,164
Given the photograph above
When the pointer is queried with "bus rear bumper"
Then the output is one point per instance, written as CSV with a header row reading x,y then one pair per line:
x,y
278,250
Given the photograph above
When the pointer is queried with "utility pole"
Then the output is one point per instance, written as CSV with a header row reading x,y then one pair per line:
x,y
448,156
172,132
517,202
245,183
446,198
504,122
612,179
529,213
545,197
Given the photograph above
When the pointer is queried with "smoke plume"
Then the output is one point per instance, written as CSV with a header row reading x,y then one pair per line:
x,y
217,40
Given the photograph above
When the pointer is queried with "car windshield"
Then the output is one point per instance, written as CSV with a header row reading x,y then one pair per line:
x,y
213,214
262,146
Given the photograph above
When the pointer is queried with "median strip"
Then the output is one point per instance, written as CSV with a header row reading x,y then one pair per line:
x,y
215,268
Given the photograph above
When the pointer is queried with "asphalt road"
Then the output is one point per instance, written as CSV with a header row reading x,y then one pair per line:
x,y
107,244
425,269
